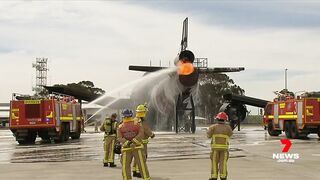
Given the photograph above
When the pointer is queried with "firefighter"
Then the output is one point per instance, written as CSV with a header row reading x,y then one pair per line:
x,y
109,127
141,116
130,134
220,134
96,126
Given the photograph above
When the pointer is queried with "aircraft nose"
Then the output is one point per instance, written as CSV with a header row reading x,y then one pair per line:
x,y
188,74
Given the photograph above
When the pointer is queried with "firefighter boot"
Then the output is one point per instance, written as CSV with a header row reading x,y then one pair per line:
x,y
213,179
105,164
223,178
134,173
112,165
138,175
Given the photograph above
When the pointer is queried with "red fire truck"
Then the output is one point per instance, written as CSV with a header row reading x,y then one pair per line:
x,y
49,118
297,117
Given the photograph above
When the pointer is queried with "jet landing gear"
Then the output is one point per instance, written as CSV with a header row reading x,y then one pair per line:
x,y
185,116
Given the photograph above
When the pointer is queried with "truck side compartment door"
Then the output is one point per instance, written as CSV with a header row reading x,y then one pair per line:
x,y
276,114
299,108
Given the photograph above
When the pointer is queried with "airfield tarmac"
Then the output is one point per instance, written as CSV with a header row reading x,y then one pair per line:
x,y
171,157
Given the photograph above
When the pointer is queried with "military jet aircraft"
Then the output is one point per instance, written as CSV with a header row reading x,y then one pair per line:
x,y
188,72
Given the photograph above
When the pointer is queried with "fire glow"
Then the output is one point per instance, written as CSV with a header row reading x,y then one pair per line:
x,y
185,69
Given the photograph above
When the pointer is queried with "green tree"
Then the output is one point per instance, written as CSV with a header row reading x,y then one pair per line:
x,y
87,84
86,88
212,87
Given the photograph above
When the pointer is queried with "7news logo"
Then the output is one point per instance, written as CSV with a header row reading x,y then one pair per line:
x,y
285,156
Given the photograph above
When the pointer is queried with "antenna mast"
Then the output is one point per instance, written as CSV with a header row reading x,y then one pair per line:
x,y
41,67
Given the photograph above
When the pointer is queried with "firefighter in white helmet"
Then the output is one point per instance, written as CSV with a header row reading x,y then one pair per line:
x,y
220,134
141,116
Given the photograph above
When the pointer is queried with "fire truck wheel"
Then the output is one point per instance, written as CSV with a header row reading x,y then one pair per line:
x,y
271,130
67,131
58,140
294,130
29,139
61,136
75,135
22,142
319,132
46,139
287,130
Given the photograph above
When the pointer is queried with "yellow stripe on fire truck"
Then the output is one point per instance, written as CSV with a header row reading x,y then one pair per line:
x,y
284,117
66,118
288,116
32,101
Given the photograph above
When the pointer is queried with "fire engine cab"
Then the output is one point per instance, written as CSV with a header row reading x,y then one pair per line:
x,y
297,116
51,118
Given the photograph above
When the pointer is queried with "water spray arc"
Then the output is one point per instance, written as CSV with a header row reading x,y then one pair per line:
x,y
112,97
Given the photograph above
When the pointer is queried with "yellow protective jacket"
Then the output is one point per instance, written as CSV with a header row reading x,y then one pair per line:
x,y
146,129
220,134
127,126
109,127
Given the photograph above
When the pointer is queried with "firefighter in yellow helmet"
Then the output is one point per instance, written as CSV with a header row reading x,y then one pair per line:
x,y
130,134
141,116
220,134
109,127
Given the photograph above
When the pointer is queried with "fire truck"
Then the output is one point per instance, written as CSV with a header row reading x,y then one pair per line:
x,y
52,118
297,116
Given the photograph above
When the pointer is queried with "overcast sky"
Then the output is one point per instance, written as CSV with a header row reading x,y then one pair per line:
x,y
97,40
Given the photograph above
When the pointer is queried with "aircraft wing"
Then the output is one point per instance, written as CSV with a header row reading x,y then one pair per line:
x,y
145,68
200,70
220,70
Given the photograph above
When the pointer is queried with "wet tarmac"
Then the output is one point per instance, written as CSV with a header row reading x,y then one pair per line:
x,y
165,146
171,157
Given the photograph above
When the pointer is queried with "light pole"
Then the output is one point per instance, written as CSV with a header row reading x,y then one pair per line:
x,y
285,79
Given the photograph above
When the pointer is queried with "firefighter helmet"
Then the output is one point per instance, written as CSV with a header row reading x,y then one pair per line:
x,y
222,116
127,113
114,115
141,110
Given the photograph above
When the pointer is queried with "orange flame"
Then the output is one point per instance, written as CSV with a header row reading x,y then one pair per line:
x,y
185,68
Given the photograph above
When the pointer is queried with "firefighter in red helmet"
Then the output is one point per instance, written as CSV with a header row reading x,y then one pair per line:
x,y
220,134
